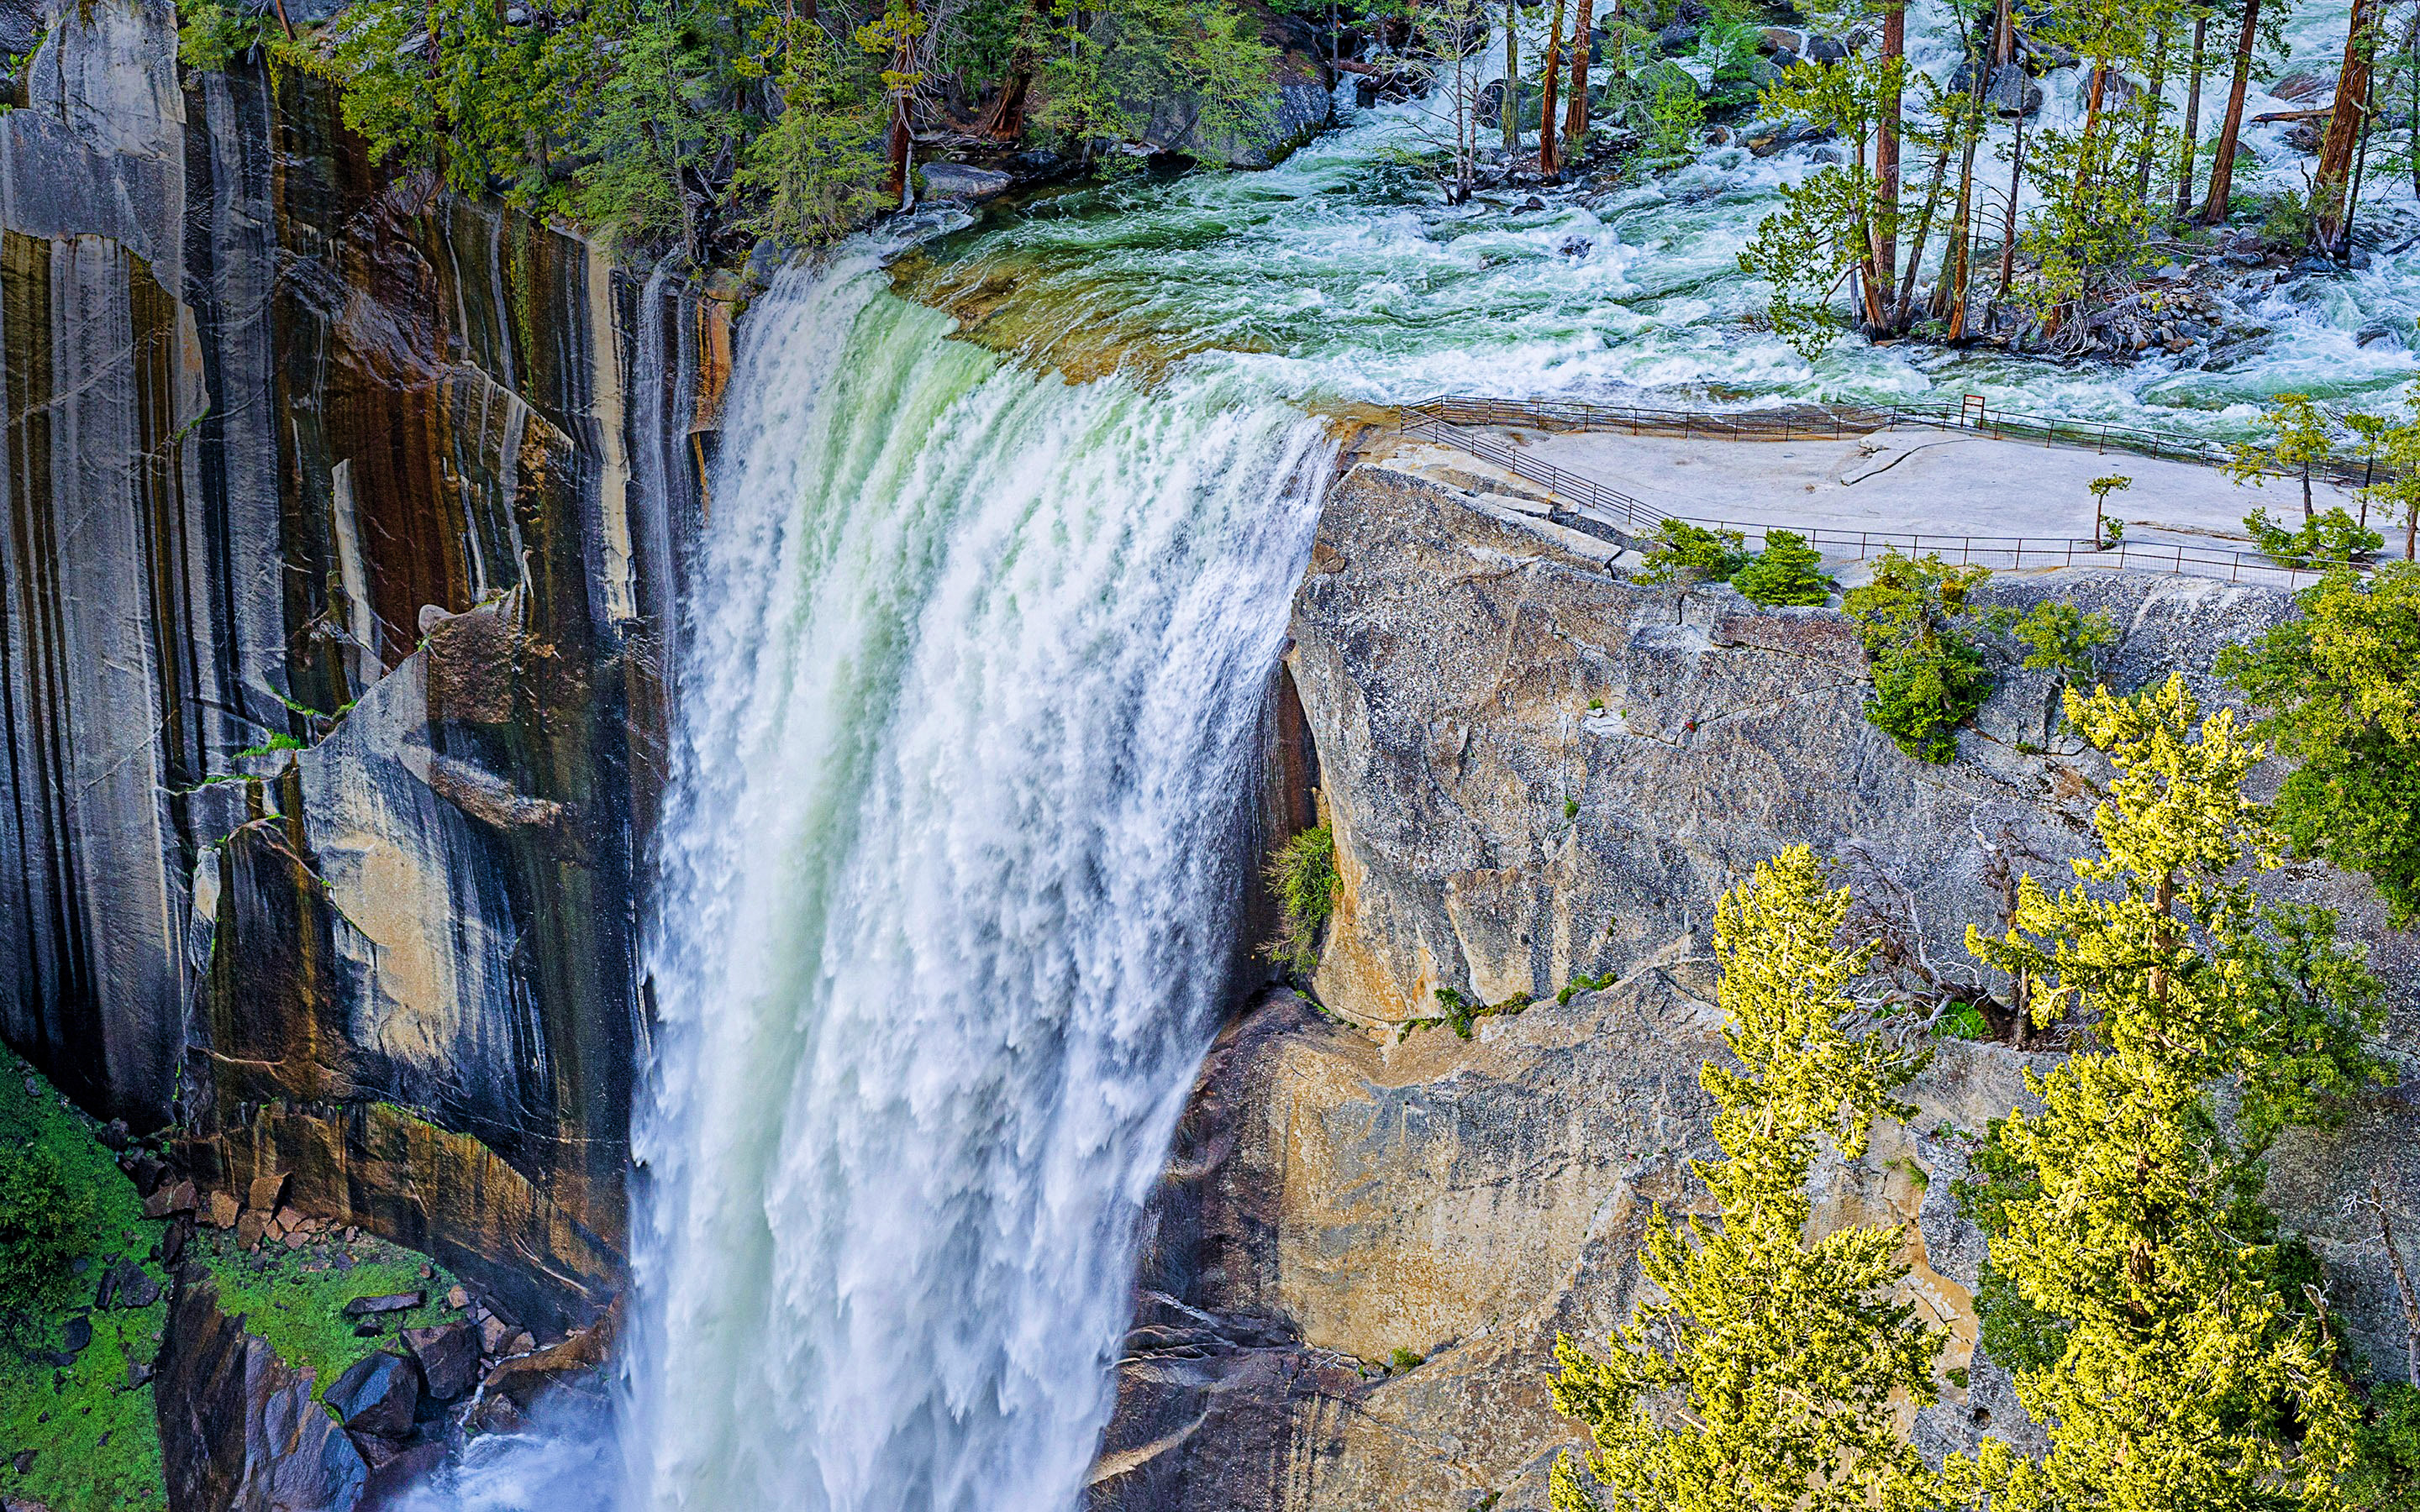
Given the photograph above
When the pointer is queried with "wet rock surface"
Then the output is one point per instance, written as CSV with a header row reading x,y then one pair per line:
x,y
352,911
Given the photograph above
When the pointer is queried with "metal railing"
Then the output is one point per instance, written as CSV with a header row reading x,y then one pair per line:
x,y
1815,422
1633,520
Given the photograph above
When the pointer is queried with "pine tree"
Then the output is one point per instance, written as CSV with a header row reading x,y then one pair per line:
x,y
2341,683
1787,571
2184,1362
1780,1362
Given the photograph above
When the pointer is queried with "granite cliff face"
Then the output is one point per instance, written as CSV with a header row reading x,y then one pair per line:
x,y
285,442
1537,771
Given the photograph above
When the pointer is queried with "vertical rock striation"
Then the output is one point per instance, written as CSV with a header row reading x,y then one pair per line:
x,y
341,544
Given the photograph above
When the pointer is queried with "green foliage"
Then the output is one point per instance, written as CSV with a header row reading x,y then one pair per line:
x,y
44,1219
815,169
676,121
2190,1368
2298,435
96,1444
2387,1474
1106,56
1303,876
1787,571
2340,683
1964,1022
1807,250
1402,1360
2059,638
2332,539
2287,223
1823,234
1676,117
1778,1364
278,740
1929,675
1681,552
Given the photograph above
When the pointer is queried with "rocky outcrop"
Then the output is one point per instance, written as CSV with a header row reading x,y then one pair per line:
x,y
299,457
238,1429
1538,772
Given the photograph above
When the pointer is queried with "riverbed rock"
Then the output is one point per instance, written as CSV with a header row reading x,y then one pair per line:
x,y
958,180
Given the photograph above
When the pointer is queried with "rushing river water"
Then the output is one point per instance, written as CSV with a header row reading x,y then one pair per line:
x,y
1339,276
996,578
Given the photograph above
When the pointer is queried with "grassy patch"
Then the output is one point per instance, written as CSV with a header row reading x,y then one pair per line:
x,y
295,1299
95,1443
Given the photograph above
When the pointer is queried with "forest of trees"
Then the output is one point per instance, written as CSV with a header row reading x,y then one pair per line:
x,y
704,126
2133,183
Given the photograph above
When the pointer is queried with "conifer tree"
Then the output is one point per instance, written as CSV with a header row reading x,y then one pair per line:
x,y
2184,1362
1780,1363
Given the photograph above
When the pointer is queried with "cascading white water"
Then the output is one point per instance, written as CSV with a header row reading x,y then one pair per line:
x,y
966,736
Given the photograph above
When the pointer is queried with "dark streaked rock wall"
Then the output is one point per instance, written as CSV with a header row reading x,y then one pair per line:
x,y
300,457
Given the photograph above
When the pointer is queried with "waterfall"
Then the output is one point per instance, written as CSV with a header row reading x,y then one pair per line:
x,y
964,753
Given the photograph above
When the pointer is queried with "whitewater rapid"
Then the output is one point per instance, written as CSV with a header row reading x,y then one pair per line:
x,y
968,733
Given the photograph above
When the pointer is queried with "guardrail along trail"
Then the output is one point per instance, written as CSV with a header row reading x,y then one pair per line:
x,y
1449,420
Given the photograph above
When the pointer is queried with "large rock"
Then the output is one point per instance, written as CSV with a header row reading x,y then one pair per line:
x,y
1340,1192
449,1358
270,413
378,1396
238,1431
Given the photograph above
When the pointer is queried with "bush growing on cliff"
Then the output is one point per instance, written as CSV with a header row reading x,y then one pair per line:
x,y
2341,684
1780,1363
43,1220
1686,553
2059,638
1929,675
1303,876
1787,571
2178,1358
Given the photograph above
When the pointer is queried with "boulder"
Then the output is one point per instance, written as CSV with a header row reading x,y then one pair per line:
x,y
126,1284
379,1394
401,1301
1679,38
169,1199
2306,85
266,1191
2013,92
1826,50
449,1358
221,1210
958,180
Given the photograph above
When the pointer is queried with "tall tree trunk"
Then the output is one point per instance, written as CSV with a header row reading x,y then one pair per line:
x,y
1916,243
2009,230
2154,104
2361,164
1576,112
1894,51
2221,163
2331,200
2192,120
1550,161
1510,112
